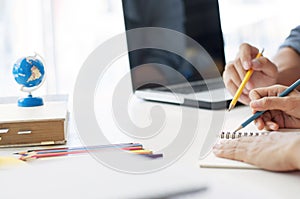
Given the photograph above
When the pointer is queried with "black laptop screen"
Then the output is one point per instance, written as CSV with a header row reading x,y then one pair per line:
x,y
198,19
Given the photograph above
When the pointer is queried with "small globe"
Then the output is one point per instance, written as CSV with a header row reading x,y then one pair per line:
x,y
28,71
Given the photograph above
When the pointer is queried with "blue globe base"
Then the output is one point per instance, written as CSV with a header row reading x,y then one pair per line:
x,y
30,101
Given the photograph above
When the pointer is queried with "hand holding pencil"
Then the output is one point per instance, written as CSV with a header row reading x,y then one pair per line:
x,y
265,72
243,84
283,112
275,107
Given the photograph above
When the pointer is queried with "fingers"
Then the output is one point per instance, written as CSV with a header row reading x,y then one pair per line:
x,y
232,88
261,102
228,149
259,93
275,151
233,149
283,111
271,126
274,90
239,69
235,71
233,78
259,123
272,103
246,54
264,65
266,122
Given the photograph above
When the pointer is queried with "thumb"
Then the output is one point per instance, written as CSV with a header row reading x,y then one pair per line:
x,y
246,54
270,103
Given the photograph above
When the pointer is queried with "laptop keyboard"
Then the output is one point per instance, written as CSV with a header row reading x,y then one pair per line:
x,y
197,88
187,90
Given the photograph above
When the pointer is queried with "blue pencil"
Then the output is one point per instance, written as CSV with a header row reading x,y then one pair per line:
x,y
259,113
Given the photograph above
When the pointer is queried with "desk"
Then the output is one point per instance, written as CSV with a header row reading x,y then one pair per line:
x,y
84,177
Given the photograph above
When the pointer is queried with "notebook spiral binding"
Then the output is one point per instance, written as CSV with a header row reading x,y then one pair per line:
x,y
233,135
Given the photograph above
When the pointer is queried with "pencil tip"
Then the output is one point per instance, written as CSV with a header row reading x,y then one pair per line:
x,y
230,108
240,127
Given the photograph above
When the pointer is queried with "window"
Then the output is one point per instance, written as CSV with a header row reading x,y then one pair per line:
x,y
65,32
263,23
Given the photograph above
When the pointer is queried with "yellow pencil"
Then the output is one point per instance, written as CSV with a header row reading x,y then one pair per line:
x,y
243,84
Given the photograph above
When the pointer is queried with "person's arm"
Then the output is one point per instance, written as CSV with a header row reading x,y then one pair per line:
x,y
288,58
288,63
283,69
275,152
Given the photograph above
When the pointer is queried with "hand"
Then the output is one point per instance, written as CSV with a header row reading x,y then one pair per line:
x,y
275,152
283,112
265,72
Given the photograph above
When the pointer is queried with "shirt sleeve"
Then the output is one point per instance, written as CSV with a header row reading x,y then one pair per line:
x,y
293,40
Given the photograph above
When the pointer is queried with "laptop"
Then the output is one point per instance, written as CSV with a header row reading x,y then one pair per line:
x,y
164,76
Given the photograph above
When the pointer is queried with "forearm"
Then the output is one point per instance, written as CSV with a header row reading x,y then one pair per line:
x,y
288,63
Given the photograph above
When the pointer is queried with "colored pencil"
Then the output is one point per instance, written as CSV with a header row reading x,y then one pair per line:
x,y
35,155
134,148
62,149
143,151
84,150
243,84
259,113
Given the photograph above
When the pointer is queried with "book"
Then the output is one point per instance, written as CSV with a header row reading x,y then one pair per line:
x,y
212,161
32,126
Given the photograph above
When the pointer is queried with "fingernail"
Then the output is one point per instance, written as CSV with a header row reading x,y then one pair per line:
x,y
273,126
246,65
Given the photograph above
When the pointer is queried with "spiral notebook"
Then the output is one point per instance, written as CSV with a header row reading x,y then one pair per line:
x,y
212,161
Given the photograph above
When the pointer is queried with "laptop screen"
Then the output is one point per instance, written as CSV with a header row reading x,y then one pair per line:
x,y
198,19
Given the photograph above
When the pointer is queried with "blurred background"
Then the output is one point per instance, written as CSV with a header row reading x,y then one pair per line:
x,y
65,32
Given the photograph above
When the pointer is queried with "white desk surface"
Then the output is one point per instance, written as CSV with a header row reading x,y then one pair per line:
x,y
84,177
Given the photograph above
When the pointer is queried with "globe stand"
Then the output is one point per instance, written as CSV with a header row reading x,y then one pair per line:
x,y
30,101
